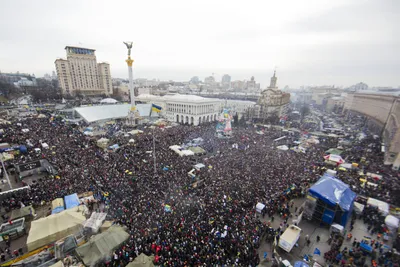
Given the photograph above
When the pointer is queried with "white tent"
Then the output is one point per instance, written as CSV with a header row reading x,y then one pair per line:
x,y
259,207
334,158
180,151
131,141
199,166
108,101
133,132
382,206
358,207
283,147
103,142
346,165
95,221
392,223
45,145
54,227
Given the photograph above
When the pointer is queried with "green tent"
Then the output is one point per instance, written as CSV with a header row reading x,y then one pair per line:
x,y
102,245
334,151
142,261
197,150
27,211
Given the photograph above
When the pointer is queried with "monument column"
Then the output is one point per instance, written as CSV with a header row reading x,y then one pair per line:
x,y
132,115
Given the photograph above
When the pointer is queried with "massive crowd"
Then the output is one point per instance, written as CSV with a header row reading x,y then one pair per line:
x,y
212,224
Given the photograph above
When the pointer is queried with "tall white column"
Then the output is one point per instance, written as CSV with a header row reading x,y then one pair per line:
x,y
131,89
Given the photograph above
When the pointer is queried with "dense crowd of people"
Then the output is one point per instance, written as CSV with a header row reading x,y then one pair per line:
x,y
212,223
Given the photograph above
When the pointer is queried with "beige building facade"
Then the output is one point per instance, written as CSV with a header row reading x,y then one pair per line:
x,y
271,102
81,74
384,113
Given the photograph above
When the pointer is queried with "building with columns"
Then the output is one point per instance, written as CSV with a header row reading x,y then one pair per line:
x,y
191,109
185,109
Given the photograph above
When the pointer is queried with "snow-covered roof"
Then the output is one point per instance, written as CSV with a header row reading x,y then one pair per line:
x,y
109,112
187,98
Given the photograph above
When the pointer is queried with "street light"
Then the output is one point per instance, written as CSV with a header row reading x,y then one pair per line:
x,y
5,171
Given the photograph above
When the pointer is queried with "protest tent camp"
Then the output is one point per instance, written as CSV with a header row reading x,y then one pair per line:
x,y
102,245
54,227
142,261
335,201
71,201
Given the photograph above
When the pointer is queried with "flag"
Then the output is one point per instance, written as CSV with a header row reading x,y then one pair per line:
x,y
156,108
317,252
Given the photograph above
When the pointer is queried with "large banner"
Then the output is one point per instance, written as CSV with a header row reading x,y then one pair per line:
x,y
29,166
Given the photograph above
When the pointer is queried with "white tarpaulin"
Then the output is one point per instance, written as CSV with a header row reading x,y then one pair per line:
x,y
283,147
334,158
95,221
259,207
392,222
346,165
180,151
358,207
382,206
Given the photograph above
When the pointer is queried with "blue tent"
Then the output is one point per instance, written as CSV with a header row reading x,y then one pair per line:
x,y
300,264
71,201
57,210
334,192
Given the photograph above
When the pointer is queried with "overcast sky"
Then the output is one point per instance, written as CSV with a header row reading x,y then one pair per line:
x,y
313,42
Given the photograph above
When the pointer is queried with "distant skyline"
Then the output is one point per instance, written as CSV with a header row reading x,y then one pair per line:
x,y
313,42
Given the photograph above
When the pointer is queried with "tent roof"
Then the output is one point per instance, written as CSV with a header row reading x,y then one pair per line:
x,y
102,245
71,201
142,261
110,112
196,149
54,227
22,212
108,101
333,191
334,151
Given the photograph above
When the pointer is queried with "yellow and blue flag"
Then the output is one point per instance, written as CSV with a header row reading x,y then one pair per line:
x,y
155,108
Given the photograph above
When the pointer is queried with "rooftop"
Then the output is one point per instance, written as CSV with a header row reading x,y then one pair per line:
x,y
110,112
69,46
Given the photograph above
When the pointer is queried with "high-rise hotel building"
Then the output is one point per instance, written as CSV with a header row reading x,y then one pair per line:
x,y
81,74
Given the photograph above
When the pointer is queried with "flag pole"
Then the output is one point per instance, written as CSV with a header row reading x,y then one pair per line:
x,y
154,142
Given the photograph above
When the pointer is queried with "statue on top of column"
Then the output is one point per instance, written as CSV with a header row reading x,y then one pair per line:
x,y
129,46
